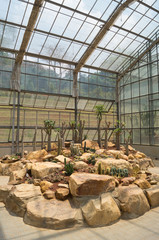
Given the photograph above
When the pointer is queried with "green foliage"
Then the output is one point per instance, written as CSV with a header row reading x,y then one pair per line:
x,y
118,172
99,110
91,160
68,168
48,126
119,127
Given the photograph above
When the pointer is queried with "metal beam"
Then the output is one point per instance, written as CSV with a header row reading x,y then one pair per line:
x,y
15,80
29,54
101,34
139,58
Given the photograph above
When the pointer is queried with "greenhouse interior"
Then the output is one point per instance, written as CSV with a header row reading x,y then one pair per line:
x,y
79,77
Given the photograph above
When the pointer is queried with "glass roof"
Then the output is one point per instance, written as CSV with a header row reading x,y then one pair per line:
x,y
65,29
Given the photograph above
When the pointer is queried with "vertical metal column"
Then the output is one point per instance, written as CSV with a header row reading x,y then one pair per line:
x,y
18,121
13,121
75,95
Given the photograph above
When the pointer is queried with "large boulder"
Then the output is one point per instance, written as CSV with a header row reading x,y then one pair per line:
x,y
61,158
90,144
52,214
40,170
80,165
153,196
20,195
38,155
101,211
7,168
85,184
4,191
117,154
111,162
133,202
17,177
142,183
85,156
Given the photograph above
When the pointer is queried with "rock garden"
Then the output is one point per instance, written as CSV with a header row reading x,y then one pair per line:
x,y
84,184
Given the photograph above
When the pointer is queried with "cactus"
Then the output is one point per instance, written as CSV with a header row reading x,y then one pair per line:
x,y
59,145
68,168
103,171
99,168
85,146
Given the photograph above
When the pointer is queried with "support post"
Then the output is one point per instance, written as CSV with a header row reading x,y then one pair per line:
x,y
118,117
18,121
13,121
75,95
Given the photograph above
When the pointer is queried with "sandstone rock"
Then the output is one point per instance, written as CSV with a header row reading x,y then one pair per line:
x,y
153,182
155,177
37,154
53,214
101,211
85,156
130,156
110,144
60,158
129,179
29,166
4,191
153,196
85,184
100,151
17,176
45,185
125,182
48,156
90,144
20,196
62,193
133,202
131,148
36,182
49,194
7,168
79,165
53,146
62,185
142,183
145,163
111,162
40,170
66,152
142,154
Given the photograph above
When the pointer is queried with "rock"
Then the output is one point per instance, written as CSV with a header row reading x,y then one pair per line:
x,y
110,144
133,202
90,144
4,191
125,182
40,170
49,194
48,157
100,151
80,165
101,211
153,182
111,162
38,155
62,185
131,148
142,175
142,183
85,184
130,156
60,158
85,156
153,196
7,168
117,154
145,163
53,214
36,182
53,146
45,185
20,195
25,152
66,152
17,176
116,182
129,179
67,144
142,154
62,193
29,166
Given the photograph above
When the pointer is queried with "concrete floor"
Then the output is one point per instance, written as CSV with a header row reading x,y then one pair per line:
x,y
145,227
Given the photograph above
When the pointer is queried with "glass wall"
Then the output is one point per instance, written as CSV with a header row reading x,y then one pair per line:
x,y
139,99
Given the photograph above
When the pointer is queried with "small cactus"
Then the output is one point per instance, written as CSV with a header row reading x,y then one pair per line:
x,y
99,168
85,146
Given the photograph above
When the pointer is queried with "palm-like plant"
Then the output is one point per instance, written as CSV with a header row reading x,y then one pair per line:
x,y
99,110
